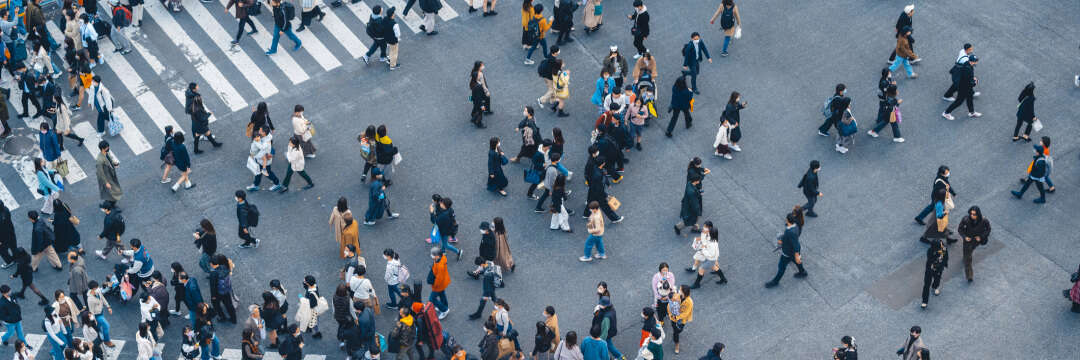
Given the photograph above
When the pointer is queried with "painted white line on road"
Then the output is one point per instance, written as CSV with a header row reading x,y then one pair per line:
x,y
447,12
114,353
412,20
343,34
35,341
195,56
313,47
85,130
137,87
283,60
159,69
238,57
131,134
7,198
75,172
25,168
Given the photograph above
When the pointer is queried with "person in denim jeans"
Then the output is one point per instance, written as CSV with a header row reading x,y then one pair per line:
x,y
596,233
885,109
445,223
11,315
541,41
281,25
439,279
904,53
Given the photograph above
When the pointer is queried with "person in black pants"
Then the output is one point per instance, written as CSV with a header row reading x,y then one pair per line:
x,y
1038,175
940,182
809,185
965,80
598,192
242,7
221,289
245,231
835,113
640,17
961,60
693,53
680,102
28,86
790,251
378,38
7,237
1025,112
937,259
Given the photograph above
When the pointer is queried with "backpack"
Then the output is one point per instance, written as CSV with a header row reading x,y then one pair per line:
x,y
121,16
826,109
254,9
532,31
544,70
727,18
372,28
252,215
403,274
224,285
289,10
122,226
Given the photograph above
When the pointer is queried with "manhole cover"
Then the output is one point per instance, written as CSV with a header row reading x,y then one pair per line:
x,y
18,145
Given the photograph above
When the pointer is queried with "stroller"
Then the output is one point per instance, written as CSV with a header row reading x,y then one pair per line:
x,y
646,89
117,284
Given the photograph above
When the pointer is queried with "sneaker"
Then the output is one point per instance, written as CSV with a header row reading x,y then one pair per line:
x,y
310,156
166,180
384,60
619,220
369,223
585,259
532,197
601,256
913,76
283,190
308,186
395,67
916,61
923,306
394,215
1041,200
937,292
257,242
297,47
1076,80
839,149
898,139
174,313
947,116
736,148
822,134
976,94
529,62
771,284
442,315
540,102
728,156
974,114
252,188
6,265
948,98
538,211
637,56
276,187
872,133
366,59
843,150
245,246
801,274
100,255
724,54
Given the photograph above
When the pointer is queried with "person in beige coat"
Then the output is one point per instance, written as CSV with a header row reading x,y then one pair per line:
x,y
337,223
645,65
296,164
594,15
302,128
913,346
730,22
595,227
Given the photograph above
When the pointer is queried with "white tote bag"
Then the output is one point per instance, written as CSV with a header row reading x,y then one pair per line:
x,y
1037,125
252,165
738,32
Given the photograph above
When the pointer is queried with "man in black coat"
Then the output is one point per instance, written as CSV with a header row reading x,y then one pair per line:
x,y
904,21
964,79
111,230
937,259
790,251
598,191
10,315
41,245
443,218
1039,170
693,53
292,344
7,237
431,10
245,231
809,185
374,30
940,182
691,207
640,30
282,24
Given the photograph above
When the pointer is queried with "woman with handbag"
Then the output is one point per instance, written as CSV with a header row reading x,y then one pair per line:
x,y
562,92
888,114
503,258
311,305
47,184
730,22
303,129
166,156
1025,112
938,229
146,343
731,113
67,237
503,325
682,314
706,248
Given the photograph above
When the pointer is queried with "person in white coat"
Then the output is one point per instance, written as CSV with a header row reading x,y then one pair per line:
x,y
722,143
103,103
706,248
261,152
302,128
296,164
146,343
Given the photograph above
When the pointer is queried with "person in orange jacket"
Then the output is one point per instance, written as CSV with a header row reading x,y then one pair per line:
x,y
439,279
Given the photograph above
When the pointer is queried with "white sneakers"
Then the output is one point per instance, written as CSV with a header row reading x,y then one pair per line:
x,y
898,139
529,62
948,98
1076,80
947,116
872,133
841,149
726,156
974,114
736,147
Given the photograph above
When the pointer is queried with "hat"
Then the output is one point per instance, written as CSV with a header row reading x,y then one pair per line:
x,y
484,225
909,8
417,307
614,48
605,301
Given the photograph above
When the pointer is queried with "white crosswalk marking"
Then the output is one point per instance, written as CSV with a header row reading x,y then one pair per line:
x,y
313,47
360,9
222,39
195,55
447,12
130,134
137,87
114,353
235,354
85,130
75,172
343,34
25,168
35,341
7,198
412,20
283,60
159,69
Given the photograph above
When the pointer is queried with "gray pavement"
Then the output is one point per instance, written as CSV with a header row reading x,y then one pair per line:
x,y
862,253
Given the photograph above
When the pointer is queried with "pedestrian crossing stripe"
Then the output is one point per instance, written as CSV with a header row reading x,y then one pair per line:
x,y
412,20
284,61
222,39
33,340
75,174
447,13
37,343
159,70
345,36
236,354
7,198
210,73
313,46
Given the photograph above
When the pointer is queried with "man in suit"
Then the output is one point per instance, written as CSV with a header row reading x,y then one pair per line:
x,y
693,53
790,251
940,182
809,185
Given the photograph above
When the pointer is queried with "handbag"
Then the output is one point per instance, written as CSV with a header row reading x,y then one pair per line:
x,y
250,128
397,158
253,165
62,168
115,127
598,9
613,203
1037,125
949,204
72,218
738,32
532,176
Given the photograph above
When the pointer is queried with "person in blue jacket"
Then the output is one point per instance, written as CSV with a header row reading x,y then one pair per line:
x,y
693,53
192,295
681,95
49,143
605,84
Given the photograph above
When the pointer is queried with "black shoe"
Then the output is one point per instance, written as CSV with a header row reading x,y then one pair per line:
x,y
919,221
811,214
300,29
198,151
252,32
667,134
801,274
722,281
569,212
677,230
690,269
771,284
216,144
638,146
321,15
538,211
472,10
423,28
473,275
433,33
562,114
474,316
307,187
317,335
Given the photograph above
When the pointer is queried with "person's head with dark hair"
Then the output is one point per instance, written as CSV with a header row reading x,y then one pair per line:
x,y
240,195
178,137
734,98
840,89
493,143
594,331
943,171
790,219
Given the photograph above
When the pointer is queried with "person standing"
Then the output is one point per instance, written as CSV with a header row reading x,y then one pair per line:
x,y
692,207
905,54
431,9
730,22
283,15
681,101
605,85
41,245
976,231
310,9
706,248
496,180
302,128
245,216
809,186
1025,112
295,155
640,27
479,94
367,151
731,113
663,287
614,63
594,17
439,279
694,52
888,110
913,347
8,241
242,16
260,118
681,313
790,251
536,30
200,117
49,184
965,80
832,111
937,259
941,182
261,153
105,168
1038,171
102,100
182,162
487,272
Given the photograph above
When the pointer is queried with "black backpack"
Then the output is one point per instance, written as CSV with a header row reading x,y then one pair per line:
x,y
727,18
532,31
121,225
254,9
372,28
544,70
289,10
252,215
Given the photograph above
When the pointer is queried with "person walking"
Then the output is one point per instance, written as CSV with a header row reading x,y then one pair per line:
x,y
166,155
604,318
430,9
439,279
530,135
722,143
49,144
681,101
178,288
564,20
25,272
1038,171
49,182
809,186
975,229
663,287
11,315
496,180
937,259
395,275
260,118
200,118
105,169
941,181
560,216
221,290
303,129
904,21
309,9
8,240
597,183
446,224
63,121
102,100
961,60
913,348
905,54
965,80
479,94
846,350
534,175
549,67
1025,112
730,22
846,128
692,207
182,162
594,16
1045,143
490,278
283,15
790,251
295,155
260,157
242,17
367,151
386,154
112,229
503,257
41,244
731,113
374,30
595,227
247,216
888,114
640,27
694,52
78,281
832,111
207,243
337,223
536,30
378,203
681,312
706,248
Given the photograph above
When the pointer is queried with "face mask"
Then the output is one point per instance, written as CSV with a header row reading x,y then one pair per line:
x,y
696,42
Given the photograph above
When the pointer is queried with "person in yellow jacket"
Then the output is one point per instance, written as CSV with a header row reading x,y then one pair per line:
x,y
526,14
535,30
681,312
562,91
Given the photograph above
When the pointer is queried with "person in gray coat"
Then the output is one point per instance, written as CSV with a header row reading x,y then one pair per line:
x,y
913,348
78,281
